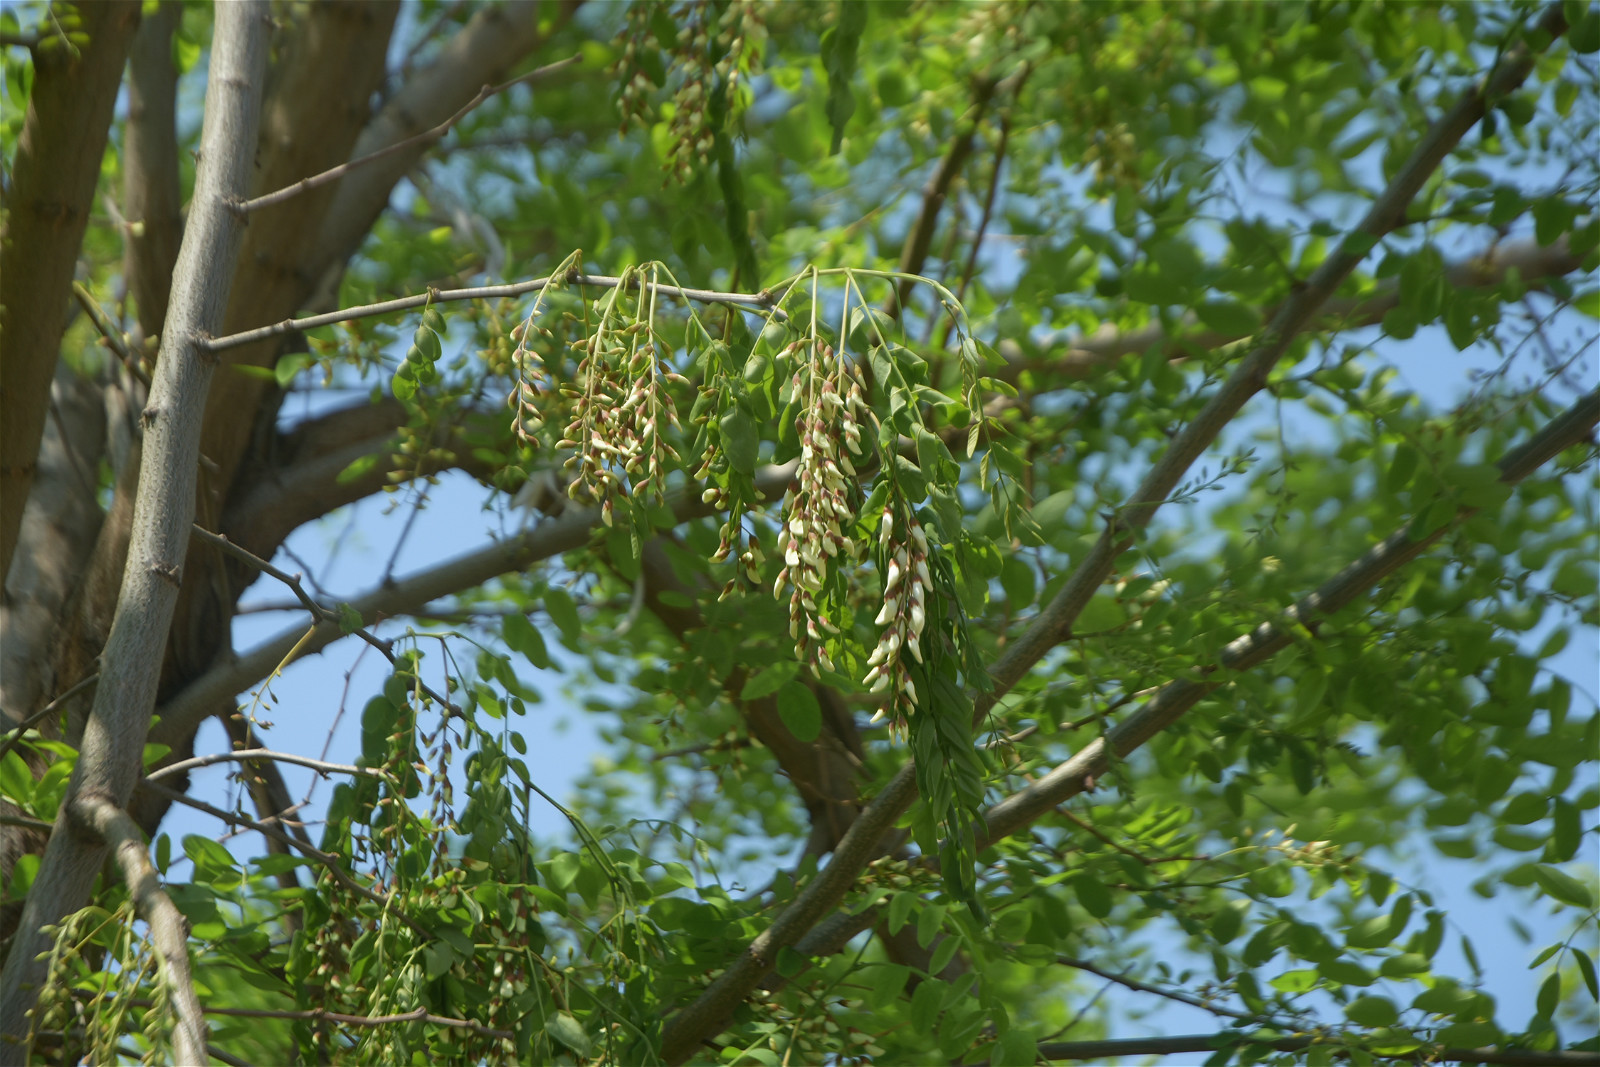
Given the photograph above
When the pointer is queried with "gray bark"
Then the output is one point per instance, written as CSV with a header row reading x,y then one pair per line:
x,y
109,757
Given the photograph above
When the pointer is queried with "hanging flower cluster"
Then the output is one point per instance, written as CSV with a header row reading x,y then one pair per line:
x,y
531,379
713,47
620,410
906,585
818,505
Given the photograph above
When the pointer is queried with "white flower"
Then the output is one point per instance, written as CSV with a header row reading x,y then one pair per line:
x,y
919,618
886,613
892,579
909,689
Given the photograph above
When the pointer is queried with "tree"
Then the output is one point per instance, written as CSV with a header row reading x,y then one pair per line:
x,y
955,412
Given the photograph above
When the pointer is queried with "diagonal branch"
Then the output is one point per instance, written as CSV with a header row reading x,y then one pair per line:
x,y
920,237
97,814
1100,1051
1081,357
493,41
422,140
1175,698
572,529
712,1010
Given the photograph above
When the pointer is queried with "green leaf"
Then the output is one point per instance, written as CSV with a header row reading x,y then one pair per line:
x,y
1346,972
769,680
1015,1046
1400,322
522,637
1561,885
929,920
1092,894
1372,1011
1474,1034
739,440
790,962
1227,922
1017,578
1549,997
798,707
900,909
838,49
565,1028
1585,34
1229,317
1101,613
885,983
925,1004
1586,966
1552,216
15,780
563,613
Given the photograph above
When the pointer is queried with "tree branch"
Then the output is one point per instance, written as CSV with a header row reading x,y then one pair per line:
x,y
495,39
51,188
329,861
109,757
570,530
1175,698
422,140
1081,357
250,755
98,814
918,239
320,1015
763,300
1171,994
710,1012
319,614
55,706
151,191
1175,1046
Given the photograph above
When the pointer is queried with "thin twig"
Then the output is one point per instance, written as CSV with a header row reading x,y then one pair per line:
x,y
333,174
15,736
983,222
763,301
320,1014
248,754
1142,987
1101,1051
1095,832
114,338
319,614
328,860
